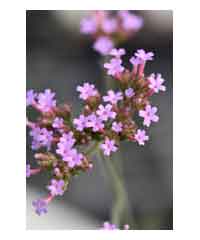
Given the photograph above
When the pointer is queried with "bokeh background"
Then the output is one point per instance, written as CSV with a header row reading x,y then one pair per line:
x,y
60,58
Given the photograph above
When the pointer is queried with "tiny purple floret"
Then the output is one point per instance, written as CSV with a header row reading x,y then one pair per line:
x,y
149,115
141,137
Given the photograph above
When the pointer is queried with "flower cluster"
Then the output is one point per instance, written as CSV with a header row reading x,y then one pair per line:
x,y
65,142
110,28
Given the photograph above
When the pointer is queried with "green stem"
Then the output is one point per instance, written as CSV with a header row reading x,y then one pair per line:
x,y
120,213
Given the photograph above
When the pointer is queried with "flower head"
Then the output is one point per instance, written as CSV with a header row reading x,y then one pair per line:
x,y
40,206
155,83
149,115
141,137
114,66
30,97
56,187
86,91
103,45
108,146
117,52
106,112
46,100
88,25
129,93
144,56
117,127
113,97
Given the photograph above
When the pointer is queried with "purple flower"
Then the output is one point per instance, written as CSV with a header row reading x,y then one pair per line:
x,y
46,100
103,45
75,159
144,56
109,25
113,97
41,138
69,154
57,187
114,66
40,206
94,122
117,127
80,122
155,83
129,93
58,123
117,52
130,21
28,170
108,146
109,226
86,91
66,142
72,157
106,112
88,25
141,137
30,97
135,61
149,115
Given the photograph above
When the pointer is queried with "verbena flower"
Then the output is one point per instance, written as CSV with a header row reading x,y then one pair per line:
x,y
88,25
141,137
56,187
130,21
106,112
117,127
58,123
155,82
114,66
66,142
144,56
46,100
149,115
117,52
113,97
129,93
103,45
80,122
108,146
41,138
40,206
109,226
109,25
30,97
94,122
28,170
86,91
108,29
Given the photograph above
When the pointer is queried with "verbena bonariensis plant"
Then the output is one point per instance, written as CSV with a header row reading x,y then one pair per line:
x,y
65,145
109,29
